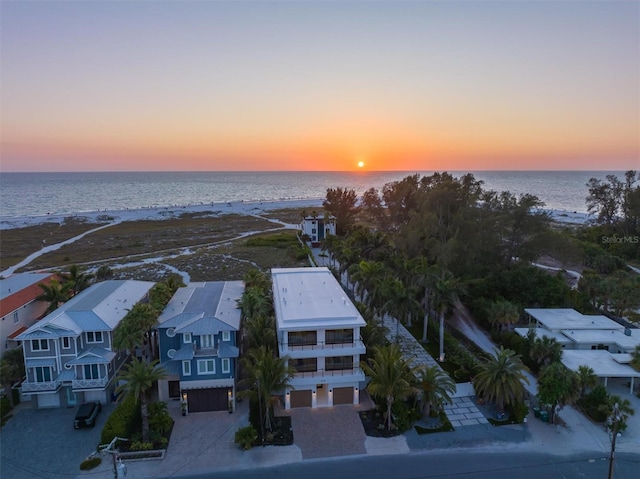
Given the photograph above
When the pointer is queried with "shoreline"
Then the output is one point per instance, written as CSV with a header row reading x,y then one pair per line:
x,y
219,208
162,212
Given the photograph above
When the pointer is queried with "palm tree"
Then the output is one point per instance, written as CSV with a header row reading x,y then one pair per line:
x,y
11,370
586,379
399,302
446,289
139,377
503,314
620,407
77,279
545,351
425,279
500,378
256,278
254,303
436,387
54,293
267,374
261,331
391,377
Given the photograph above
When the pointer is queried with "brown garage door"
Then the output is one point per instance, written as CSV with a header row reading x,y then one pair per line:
x,y
342,395
212,399
300,398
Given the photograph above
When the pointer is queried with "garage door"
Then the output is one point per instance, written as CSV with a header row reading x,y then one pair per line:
x,y
301,398
212,399
342,395
48,400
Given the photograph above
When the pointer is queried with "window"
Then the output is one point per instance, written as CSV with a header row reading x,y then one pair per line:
x,y
206,366
339,336
66,342
338,362
186,368
226,365
16,320
206,341
226,335
305,365
186,337
39,345
42,374
91,371
171,332
94,337
303,338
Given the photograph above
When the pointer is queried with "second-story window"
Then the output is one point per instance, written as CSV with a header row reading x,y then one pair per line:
x,y
303,338
304,365
186,368
206,341
206,366
339,336
226,335
186,337
94,337
91,371
16,319
66,342
39,345
337,363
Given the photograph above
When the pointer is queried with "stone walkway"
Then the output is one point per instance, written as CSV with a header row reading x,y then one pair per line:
x,y
463,412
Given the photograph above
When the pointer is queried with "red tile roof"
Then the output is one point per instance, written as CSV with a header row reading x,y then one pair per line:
x,y
16,332
22,297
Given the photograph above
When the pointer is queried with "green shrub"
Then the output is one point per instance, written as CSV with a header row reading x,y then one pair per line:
x,y
594,402
518,411
122,422
90,463
245,437
403,415
160,421
5,406
141,446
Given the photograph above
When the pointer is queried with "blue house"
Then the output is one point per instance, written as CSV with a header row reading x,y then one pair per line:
x,y
198,342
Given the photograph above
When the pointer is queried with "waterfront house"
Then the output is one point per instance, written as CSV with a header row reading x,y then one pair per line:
x,y
19,305
317,228
318,328
198,335
68,354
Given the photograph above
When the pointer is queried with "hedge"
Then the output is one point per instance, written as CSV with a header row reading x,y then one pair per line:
x,y
122,422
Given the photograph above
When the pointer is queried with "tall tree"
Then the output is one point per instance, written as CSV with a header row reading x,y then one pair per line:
x,y
391,377
545,351
500,378
11,370
586,379
78,280
54,293
436,387
342,203
267,375
503,314
138,378
446,290
558,387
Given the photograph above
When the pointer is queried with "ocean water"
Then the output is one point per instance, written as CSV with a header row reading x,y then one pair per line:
x,y
39,194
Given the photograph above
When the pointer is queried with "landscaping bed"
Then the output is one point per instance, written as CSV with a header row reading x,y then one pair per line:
x,y
282,434
374,424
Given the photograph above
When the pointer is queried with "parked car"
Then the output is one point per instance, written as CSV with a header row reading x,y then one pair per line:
x,y
87,414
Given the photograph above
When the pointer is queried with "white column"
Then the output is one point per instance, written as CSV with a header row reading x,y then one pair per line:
x,y
356,395
631,386
330,396
314,399
287,400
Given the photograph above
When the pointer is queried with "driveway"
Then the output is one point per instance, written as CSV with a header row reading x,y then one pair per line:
x,y
38,443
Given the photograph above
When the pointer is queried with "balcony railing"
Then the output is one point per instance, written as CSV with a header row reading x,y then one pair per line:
x,y
197,351
28,387
89,383
320,373
323,345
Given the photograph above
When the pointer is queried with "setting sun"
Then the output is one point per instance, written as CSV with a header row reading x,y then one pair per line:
x,y
360,164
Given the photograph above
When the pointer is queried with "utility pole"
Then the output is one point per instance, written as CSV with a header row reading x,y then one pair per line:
x,y
615,418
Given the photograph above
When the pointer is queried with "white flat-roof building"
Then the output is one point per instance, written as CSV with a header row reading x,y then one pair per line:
x,y
565,318
604,364
318,328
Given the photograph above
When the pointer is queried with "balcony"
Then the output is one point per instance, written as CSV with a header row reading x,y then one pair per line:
x,y
99,383
28,387
197,351
322,373
322,345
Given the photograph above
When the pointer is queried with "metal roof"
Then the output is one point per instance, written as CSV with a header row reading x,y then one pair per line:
x,y
227,351
172,368
208,325
94,355
40,362
311,298
18,282
183,353
103,305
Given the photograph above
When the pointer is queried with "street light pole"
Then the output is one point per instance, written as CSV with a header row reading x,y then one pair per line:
x,y
614,431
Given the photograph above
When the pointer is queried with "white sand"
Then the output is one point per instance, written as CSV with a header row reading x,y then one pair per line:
x,y
162,212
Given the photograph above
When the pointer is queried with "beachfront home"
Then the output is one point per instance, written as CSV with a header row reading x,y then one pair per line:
x,y
317,228
592,340
69,358
318,328
19,306
199,338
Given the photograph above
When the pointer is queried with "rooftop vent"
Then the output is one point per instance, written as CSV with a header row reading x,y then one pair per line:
x,y
627,332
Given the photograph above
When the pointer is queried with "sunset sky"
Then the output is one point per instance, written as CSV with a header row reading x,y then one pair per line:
x,y
301,85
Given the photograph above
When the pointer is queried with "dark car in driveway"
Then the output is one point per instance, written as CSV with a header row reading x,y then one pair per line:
x,y
87,414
